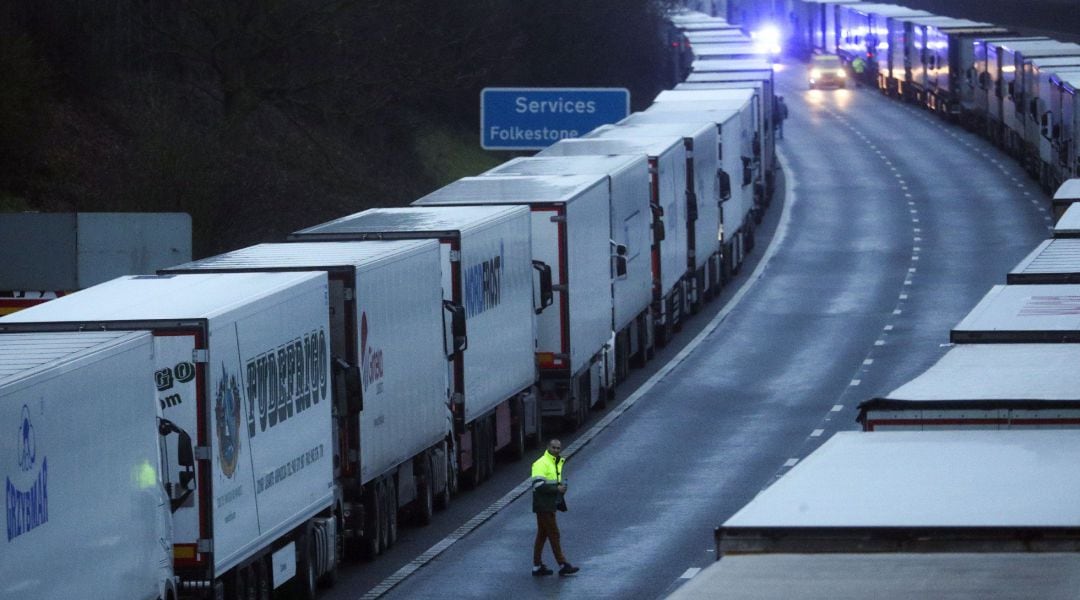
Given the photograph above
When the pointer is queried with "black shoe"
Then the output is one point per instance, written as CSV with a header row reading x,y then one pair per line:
x,y
567,569
541,571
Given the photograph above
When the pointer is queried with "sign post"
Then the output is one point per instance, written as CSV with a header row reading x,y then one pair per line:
x,y
535,118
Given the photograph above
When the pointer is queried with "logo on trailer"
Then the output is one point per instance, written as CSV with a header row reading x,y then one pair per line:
x,y
227,411
371,360
286,380
483,284
27,508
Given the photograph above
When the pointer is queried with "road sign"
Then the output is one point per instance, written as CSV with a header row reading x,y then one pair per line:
x,y
535,118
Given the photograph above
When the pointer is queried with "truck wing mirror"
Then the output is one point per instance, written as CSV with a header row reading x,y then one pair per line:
x,y
354,392
725,184
691,206
658,223
747,172
620,261
547,295
185,455
457,327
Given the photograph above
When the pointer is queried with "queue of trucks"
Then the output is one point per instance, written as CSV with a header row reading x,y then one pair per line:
x,y
1018,90
960,482
279,408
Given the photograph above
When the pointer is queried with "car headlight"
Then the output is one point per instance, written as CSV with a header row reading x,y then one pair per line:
x,y
841,73
815,73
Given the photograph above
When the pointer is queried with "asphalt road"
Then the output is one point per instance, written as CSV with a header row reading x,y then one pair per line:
x,y
894,225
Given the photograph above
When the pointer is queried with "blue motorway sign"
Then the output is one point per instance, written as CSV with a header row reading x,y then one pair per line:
x,y
535,118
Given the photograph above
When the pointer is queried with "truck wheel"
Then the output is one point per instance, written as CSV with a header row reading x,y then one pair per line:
x,y
391,513
330,577
371,542
442,500
260,577
517,437
425,502
489,448
305,581
384,517
475,473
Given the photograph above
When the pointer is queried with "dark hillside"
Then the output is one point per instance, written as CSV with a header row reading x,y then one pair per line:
x,y
259,117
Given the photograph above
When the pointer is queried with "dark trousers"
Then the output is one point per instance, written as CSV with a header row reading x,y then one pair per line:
x,y
547,530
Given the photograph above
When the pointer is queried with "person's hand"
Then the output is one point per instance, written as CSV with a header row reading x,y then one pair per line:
x,y
562,488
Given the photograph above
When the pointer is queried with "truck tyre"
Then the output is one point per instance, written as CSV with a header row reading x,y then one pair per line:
x,y
442,499
260,578
475,473
488,452
517,437
391,512
384,516
305,581
424,507
371,542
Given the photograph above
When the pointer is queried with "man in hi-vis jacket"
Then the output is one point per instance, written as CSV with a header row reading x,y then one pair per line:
x,y
548,489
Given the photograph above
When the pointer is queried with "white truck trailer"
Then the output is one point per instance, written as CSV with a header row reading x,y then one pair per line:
x,y
912,514
87,514
702,198
732,186
938,492
242,362
631,228
985,386
1034,102
733,112
1056,260
667,161
570,231
487,276
1068,226
1022,314
387,350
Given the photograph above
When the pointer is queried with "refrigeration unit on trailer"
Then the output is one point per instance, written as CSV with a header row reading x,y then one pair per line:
x,y
88,514
966,514
629,199
985,386
1022,313
386,343
702,197
487,278
571,233
242,364
667,160
1056,260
